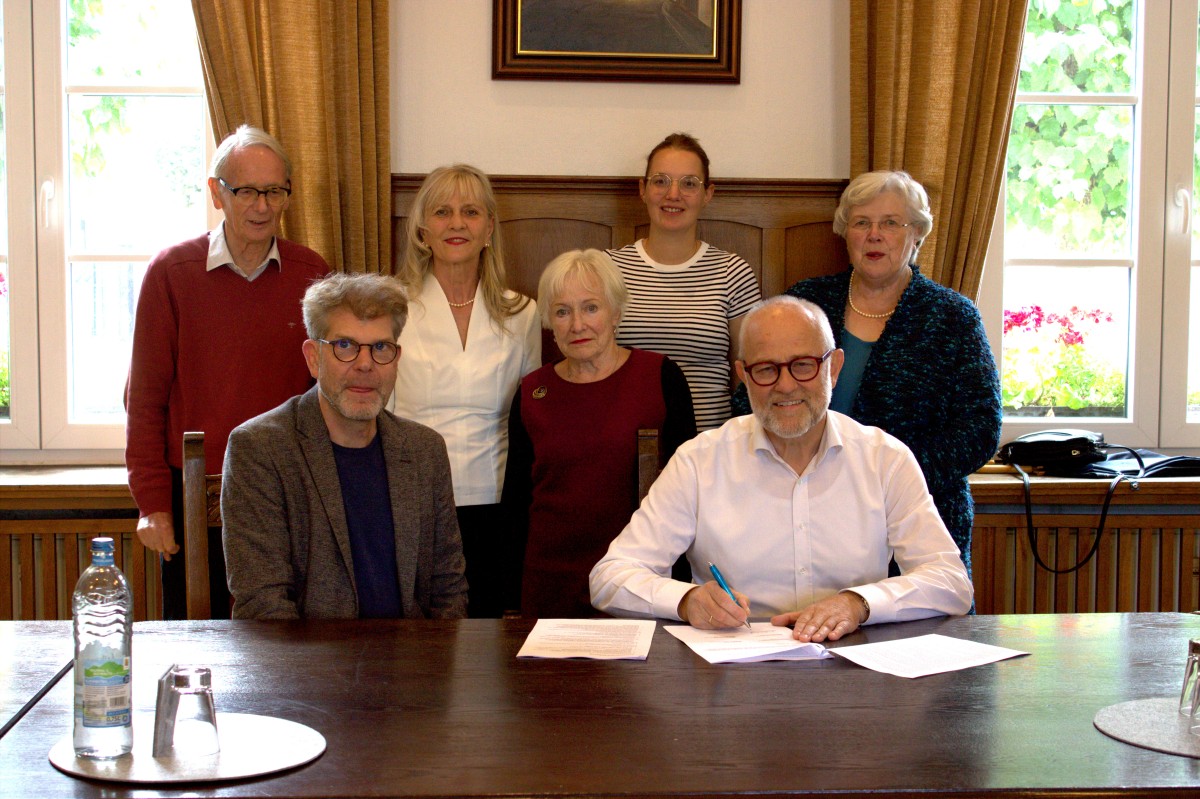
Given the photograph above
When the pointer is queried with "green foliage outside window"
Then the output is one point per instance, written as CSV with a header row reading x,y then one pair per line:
x,y
1069,165
106,116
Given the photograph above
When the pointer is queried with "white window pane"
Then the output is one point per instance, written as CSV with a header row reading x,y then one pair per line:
x,y
132,43
1069,177
1065,341
137,172
103,297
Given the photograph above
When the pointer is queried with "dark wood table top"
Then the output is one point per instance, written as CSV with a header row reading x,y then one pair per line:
x,y
446,709
31,655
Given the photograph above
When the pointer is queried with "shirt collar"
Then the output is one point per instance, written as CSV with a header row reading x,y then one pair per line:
x,y
831,439
219,254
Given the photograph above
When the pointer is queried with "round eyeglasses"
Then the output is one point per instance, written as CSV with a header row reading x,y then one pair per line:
x,y
802,369
276,195
346,350
688,184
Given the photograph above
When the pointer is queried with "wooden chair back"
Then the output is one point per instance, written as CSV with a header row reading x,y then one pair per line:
x,y
648,461
201,510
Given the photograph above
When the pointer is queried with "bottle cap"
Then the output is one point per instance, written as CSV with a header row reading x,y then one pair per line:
x,y
1194,646
102,543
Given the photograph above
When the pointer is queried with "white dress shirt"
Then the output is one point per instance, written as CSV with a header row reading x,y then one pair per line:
x,y
788,540
220,255
465,393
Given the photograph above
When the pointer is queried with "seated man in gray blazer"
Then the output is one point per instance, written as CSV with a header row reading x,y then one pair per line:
x,y
332,506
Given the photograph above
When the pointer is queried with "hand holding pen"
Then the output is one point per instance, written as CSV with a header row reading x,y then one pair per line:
x,y
714,605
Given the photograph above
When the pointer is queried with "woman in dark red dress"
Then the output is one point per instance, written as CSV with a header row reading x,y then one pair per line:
x,y
571,482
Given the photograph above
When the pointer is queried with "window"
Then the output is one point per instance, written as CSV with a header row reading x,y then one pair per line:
x,y
119,161
1090,294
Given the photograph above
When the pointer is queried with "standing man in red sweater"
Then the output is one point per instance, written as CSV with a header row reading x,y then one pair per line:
x,y
216,341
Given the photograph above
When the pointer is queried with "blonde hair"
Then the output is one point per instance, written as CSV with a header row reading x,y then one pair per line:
x,y
586,266
472,185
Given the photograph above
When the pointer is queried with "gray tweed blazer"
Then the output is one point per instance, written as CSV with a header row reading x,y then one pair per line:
x,y
287,546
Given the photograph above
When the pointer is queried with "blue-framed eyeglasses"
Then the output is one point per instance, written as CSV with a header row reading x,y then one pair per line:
x,y
346,350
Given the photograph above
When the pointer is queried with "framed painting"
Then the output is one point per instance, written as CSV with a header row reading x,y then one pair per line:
x,y
623,40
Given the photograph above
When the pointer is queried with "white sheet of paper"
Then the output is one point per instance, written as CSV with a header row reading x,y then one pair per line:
x,y
924,654
599,639
764,641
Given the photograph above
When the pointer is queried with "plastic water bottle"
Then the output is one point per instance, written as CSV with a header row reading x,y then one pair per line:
x,y
102,609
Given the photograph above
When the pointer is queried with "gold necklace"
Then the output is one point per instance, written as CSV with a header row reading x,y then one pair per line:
x,y
853,307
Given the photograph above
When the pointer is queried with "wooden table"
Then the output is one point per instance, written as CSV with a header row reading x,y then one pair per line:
x,y
446,709
31,655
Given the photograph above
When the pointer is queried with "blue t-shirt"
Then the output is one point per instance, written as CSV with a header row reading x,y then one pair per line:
x,y
857,352
362,473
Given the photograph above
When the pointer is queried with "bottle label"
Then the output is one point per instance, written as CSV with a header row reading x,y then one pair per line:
x,y
106,692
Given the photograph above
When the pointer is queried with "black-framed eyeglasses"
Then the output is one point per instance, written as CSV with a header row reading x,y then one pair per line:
x,y
688,184
276,195
346,350
802,369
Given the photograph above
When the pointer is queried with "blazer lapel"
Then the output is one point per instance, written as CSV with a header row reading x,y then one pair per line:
x,y
405,516
318,457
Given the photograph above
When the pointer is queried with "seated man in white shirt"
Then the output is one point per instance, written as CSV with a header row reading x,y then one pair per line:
x,y
800,507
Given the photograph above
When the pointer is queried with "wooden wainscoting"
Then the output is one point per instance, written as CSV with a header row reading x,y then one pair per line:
x,y
1147,560
783,228
48,516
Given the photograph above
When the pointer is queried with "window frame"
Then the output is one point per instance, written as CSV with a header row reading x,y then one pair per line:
x,y
40,430
1157,356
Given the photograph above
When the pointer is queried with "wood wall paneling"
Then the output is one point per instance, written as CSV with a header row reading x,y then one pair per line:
x,y
783,228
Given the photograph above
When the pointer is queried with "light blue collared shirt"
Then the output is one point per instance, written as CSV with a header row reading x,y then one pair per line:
x,y
219,254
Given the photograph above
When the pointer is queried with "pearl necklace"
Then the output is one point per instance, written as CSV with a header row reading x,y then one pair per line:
x,y
853,307
460,304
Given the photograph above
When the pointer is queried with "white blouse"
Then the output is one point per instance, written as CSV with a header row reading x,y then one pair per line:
x,y
464,393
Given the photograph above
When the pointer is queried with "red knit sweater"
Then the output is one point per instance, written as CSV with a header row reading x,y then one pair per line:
x,y
210,350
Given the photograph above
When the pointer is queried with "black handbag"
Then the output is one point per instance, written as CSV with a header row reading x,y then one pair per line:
x,y
1069,453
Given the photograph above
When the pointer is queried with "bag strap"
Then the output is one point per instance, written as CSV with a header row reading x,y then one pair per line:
x,y
1118,477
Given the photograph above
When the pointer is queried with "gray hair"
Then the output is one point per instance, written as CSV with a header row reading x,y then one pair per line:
x,y
587,266
869,185
367,295
806,307
247,136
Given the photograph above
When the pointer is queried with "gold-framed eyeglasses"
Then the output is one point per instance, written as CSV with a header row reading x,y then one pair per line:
x,y
276,195
802,369
888,227
688,184
346,350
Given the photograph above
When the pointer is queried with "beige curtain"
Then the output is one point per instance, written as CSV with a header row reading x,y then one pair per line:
x,y
314,73
931,92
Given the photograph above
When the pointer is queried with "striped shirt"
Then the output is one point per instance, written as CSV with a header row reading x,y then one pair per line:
x,y
683,311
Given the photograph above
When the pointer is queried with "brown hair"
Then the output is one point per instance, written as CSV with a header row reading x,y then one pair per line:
x,y
681,141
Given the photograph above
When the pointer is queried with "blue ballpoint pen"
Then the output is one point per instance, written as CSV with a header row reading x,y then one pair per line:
x,y
716,573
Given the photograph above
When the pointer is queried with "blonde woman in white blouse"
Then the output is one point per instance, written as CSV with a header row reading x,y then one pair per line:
x,y
467,343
